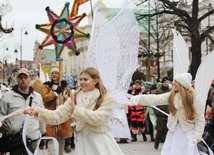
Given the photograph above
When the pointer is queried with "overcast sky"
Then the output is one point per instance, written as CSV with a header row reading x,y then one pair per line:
x,y
33,12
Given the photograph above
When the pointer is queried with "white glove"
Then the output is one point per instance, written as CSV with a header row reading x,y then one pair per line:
x,y
136,99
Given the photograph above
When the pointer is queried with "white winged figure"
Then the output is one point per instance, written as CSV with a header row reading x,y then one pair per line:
x,y
205,72
180,53
113,50
180,57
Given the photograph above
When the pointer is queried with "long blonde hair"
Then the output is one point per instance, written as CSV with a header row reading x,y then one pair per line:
x,y
94,74
187,98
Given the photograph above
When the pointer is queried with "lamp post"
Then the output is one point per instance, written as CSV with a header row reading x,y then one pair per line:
x,y
5,47
24,30
148,58
17,46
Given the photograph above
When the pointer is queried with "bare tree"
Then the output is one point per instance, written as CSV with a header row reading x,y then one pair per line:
x,y
188,21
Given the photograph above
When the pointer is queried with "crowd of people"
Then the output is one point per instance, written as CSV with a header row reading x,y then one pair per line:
x,y
60,112
146,120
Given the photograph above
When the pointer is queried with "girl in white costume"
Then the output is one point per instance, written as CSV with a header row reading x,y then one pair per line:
x,y
186,118
92,109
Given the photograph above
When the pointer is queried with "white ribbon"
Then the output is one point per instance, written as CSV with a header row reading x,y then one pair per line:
x,y
24,132
160,110
15,113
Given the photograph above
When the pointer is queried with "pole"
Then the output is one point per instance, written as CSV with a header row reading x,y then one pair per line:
x,y
24,28
5,47
60,70
92,14
148,49
3,64
158,47
21,50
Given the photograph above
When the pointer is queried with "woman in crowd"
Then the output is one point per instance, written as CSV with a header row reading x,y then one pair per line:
x,y
186,118
91,107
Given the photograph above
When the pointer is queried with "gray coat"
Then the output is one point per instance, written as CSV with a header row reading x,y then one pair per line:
x,y
12,101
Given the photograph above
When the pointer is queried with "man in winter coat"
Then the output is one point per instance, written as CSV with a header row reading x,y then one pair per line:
x,y
20,97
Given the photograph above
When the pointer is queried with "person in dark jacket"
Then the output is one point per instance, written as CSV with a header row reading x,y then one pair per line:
x,y
161,118
54,95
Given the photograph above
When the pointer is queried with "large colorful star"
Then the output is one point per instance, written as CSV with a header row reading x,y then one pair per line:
x,y
62,30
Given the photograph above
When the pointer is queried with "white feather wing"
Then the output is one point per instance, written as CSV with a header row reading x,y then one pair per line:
x,y
204,77
180,53
114,52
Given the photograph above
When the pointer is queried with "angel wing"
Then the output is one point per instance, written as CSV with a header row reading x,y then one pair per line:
x,y
98,23
113,51
204,77
180,53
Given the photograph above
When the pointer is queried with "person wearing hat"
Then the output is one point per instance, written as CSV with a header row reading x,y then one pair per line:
x,y
53,96
20,97
161,127
186,117
137,114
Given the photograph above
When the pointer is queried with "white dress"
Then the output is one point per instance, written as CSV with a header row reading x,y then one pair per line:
x,y
177,143
95,143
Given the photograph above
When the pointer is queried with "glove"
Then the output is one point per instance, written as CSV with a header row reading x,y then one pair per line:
x,y
64,83
50,84
136,99
4,128
59,89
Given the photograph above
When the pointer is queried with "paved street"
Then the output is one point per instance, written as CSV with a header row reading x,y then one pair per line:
x,y
132,148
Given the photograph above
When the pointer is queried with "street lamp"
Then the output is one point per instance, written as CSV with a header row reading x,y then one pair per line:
x,y
149,58
17,46
5,47
24,29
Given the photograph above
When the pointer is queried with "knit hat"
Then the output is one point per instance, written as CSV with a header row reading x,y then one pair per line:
x,y
184,79
55,69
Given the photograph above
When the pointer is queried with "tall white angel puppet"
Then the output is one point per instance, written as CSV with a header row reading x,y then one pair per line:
x,y
113,50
